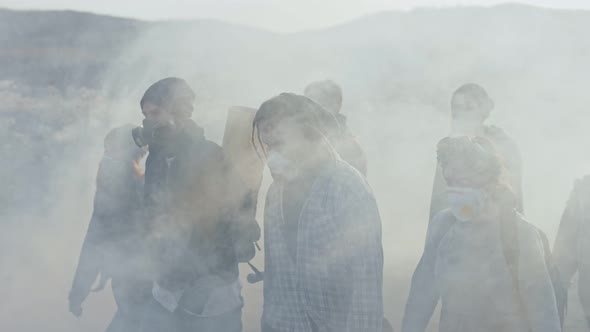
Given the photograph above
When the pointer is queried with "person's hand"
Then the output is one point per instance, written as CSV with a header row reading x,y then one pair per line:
x,y
245,251
76,309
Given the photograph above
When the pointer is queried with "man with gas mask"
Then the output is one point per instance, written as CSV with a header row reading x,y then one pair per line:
x,y
193,205
329,95
323,251
113,244
572,244
470,108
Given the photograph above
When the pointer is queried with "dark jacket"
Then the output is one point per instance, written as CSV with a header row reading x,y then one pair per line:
x,y
113,241
572,244
194,204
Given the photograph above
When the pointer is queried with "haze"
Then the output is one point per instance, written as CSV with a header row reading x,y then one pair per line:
x,y
274,15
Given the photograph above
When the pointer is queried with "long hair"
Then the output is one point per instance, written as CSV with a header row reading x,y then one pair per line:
x,y
316,123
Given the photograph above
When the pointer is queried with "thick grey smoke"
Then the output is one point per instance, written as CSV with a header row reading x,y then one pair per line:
x,y
397,70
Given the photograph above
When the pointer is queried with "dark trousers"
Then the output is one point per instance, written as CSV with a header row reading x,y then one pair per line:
x,y
386,327
266,328
132,297
157,319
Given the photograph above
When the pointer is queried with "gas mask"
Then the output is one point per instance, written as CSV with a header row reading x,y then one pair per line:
x,y
465,203
281,167
152,132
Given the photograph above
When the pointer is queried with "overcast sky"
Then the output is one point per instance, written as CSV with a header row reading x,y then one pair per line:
x,y
276,15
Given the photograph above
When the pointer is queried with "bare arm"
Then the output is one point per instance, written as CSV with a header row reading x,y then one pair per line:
x,y
424,295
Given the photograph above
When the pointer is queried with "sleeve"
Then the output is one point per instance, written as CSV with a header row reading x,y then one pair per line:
x,y
239,205
535,286
91,260
438,200
424,295
89,264
565,248
366,252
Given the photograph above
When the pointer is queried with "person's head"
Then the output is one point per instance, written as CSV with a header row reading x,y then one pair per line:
x,y
470,108
119,145
165,105
168,99
326,93
474,174
291,132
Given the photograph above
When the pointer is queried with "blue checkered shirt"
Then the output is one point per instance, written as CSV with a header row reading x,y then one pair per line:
x,y
336,276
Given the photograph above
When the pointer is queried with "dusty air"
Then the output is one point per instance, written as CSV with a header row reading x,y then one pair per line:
x,y
295,167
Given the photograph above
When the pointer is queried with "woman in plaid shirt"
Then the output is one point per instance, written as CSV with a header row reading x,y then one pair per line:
x,y
323,251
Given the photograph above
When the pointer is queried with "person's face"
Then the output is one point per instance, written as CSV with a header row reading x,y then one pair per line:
x,y
468,111
182,107
283,138
284,149
158,126
155,114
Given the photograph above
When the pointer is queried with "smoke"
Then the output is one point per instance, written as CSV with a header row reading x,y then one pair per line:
x,y
397,72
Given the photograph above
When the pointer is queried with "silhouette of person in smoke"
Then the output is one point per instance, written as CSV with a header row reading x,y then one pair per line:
x,y
323,251
572,244
329,95
486,264
470,108
194,202
112,247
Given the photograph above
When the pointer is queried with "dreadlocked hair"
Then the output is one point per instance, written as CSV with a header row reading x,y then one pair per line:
x,y
477,160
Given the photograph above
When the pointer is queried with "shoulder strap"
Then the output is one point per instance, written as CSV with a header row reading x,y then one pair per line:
x,y
439,229
511,245
511,250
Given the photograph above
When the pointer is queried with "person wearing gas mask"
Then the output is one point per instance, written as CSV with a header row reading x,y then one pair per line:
x,y
323,251
112,247
482,260
572,244
329,95
193,205
470,108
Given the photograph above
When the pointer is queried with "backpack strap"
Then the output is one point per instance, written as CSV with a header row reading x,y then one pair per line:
x,y
511,246
511,250
439,227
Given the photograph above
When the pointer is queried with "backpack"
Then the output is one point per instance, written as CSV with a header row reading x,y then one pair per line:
x,y
511,250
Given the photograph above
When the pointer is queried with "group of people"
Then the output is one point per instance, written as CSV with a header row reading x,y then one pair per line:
x,y
170,239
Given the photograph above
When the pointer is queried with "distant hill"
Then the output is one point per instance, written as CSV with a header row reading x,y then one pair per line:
x,y
67,48
63,48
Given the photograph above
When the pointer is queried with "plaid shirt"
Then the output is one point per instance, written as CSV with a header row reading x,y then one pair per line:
x,y
336,276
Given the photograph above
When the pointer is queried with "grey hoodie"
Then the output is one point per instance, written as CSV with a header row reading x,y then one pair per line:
x,y
464,266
